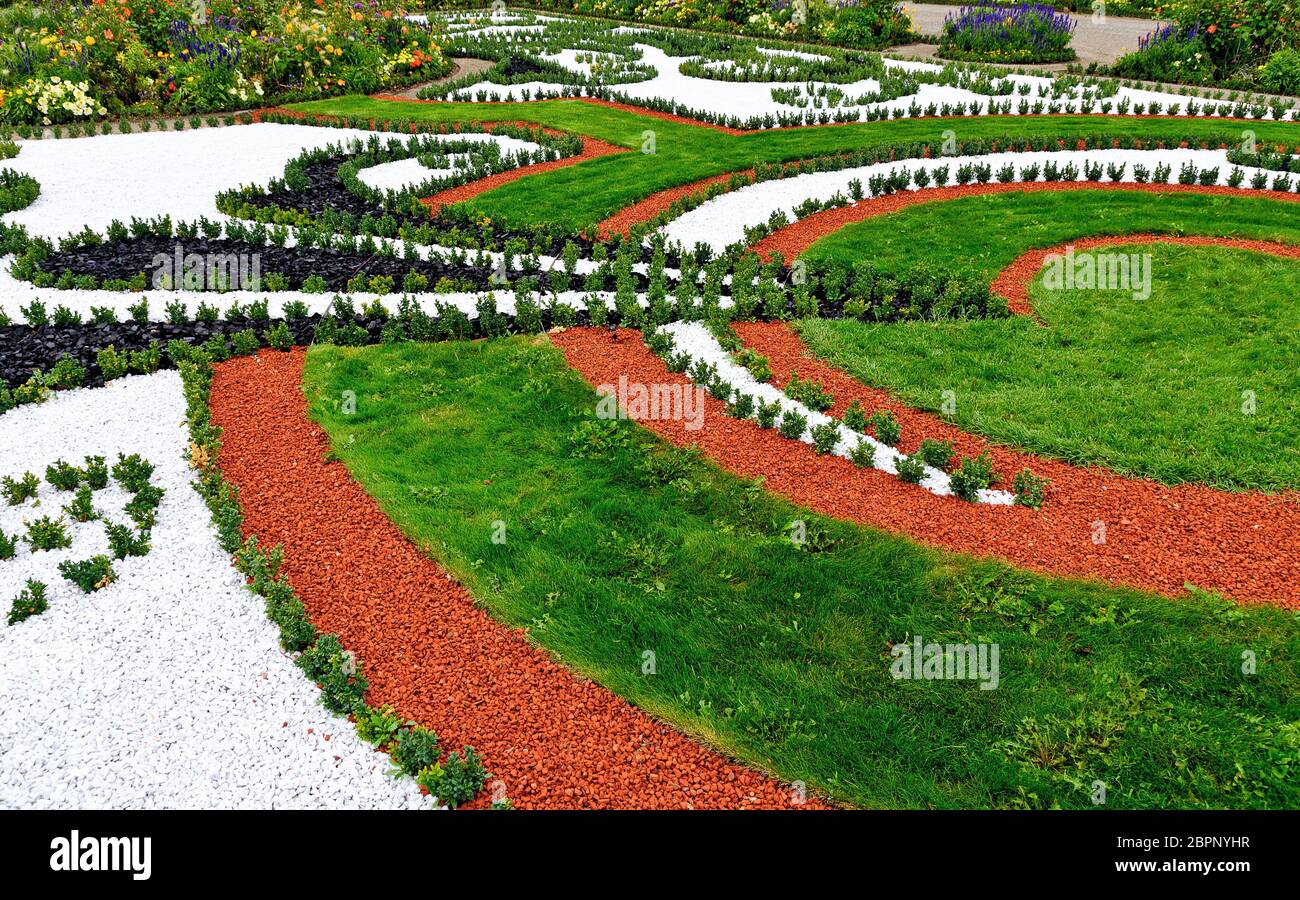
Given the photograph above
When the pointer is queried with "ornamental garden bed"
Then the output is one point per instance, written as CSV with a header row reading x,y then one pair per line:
x,y
601,430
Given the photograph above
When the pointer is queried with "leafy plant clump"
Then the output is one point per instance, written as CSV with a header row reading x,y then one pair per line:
x,y
19,490
456,780
29,602
48,534
89,574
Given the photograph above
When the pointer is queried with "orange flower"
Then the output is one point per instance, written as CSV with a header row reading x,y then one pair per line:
x,y
1212,29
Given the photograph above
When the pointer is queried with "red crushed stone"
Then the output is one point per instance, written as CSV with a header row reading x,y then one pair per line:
x,y
554,739
1156,537
591,149
1013,281
797,237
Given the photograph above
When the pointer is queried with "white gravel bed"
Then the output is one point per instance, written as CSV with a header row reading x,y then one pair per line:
x,y
92,181
167,688
722,221
697,342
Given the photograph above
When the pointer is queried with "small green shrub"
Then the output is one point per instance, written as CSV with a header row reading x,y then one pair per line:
x,y
793,425
48,534
246,342
29,602
936,453
95,472
886,427
910,469
89,574
863,454
855,418
62,476
82,507
132,472
335,670
457,780
825,436
415,749
1030,489
972,476
124,542
19,490
808,392
8,545
377,725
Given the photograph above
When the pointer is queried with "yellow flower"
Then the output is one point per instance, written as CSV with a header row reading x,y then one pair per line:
x,y
90,40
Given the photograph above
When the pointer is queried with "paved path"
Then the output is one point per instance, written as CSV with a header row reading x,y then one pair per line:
x,y
460,65
1099,42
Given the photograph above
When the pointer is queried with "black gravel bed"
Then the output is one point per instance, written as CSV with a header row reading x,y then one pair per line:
x,y
125,258
24,349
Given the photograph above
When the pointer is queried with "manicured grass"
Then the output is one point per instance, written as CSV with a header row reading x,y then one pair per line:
x,y
617,544
982,235
584,194
1152,388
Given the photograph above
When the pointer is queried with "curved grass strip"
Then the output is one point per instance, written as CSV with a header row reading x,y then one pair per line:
x,y
685,152
616,545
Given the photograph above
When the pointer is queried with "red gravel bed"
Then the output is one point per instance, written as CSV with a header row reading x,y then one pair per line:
x,y
1013,282
591,149
797,237
552,738
1156,537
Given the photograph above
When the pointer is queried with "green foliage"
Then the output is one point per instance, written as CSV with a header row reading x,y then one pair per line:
x,y
19,490
456,780
29,602
46,533
62,476
1030,489
415,749
342,685
89,574
935,453
972,476
911,469
132,472
863,454
809,392
82,507
378,725
123,541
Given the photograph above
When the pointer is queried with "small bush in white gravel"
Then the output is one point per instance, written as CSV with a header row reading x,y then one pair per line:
x,y
132,472
910,469
95,473
82,507
19,490
63,476
124,541
378,725
48,534
863,454
8,545
89,574
31,602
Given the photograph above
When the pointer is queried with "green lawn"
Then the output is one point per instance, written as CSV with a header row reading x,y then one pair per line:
x,y
1152,388
617,544
584,194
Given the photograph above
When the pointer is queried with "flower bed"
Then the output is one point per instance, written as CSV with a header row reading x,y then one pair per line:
x,y
1023,33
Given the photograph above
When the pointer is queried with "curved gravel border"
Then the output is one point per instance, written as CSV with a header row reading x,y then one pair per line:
x,y
167,688
552,739
1154,537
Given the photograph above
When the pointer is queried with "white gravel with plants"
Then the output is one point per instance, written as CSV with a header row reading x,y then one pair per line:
x,y
722,220
167,688
697,342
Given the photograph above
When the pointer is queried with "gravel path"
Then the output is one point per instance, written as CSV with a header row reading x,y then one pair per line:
x,y
167,688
